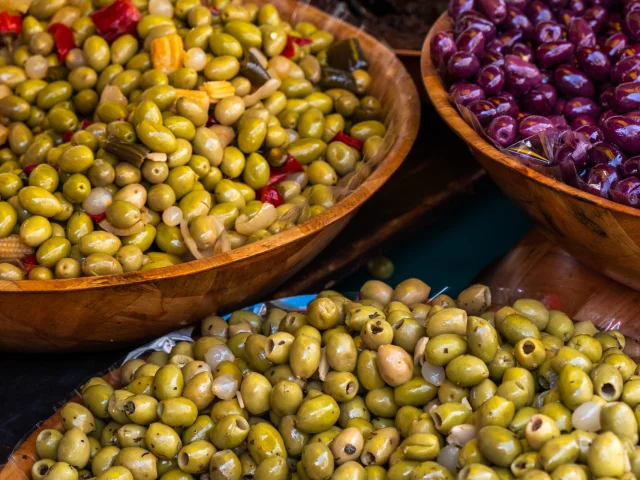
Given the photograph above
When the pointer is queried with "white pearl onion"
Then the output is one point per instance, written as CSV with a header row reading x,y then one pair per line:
x,y
195,58
97,201
172,216
161,7
36,67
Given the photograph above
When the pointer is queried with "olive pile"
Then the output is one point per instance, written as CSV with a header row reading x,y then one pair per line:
x,y
141,134
390,386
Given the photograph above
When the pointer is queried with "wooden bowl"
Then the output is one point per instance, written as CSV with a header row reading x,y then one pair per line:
x,y
600,233
103,312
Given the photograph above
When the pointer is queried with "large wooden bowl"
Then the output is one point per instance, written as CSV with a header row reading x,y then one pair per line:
x,y
100,312
600,233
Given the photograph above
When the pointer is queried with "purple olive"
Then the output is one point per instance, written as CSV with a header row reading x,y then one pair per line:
x,y
615,43
471,41
521,4
517,20
614,23
516,84
495,10
624,132
565,18
596,16
626,70
581,33
594,63
538,11
573,82
600,179
534,125
463,65
559,122
456,7
581,106
593,133
505,105
559,108
491,57
484,111
575,147
605,153
523,51
475,19
632,24
578,7
556,4
502,130
582,121
630,5
551,54
631,166
548,32
442,48
509,38
491,79
634,115
541,100
629,51
626,191
515,64
464,93
626,97
604,116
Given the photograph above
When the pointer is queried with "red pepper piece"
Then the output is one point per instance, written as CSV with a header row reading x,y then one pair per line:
x,y
10,23
63,37
290,50
301,41
97,218
29,168
348,140
29,261
67,136
84,124
552,302
271,195
279,173
119,18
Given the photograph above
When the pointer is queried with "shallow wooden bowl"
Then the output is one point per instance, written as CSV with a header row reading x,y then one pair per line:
x,y
600,233
101,312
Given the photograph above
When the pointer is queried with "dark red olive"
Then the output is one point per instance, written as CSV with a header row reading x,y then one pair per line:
x,y
442,48
463,65
471,41
593,133
629,51
624,132
559,122
581,33
491,79
537,12
596,16
475,19
565,18
503,130
630,5
523,51
551,54
534,125
464,93
505,105
626,191
626,70
604,116
549,32
517,84
626,97
515,64
614,23
632,24
491,57
517,20
600,179
557,4
541,100
509,38
577,6
573,82
521,4
631,166
484,110
495,10
594,63
605,153
615,43
582,121
456,7
578,106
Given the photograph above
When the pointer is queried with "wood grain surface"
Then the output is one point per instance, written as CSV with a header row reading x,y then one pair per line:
x,y
600,233
101,312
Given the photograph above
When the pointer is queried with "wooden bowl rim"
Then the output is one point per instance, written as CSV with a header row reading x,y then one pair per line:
x,y
440,100
408,106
